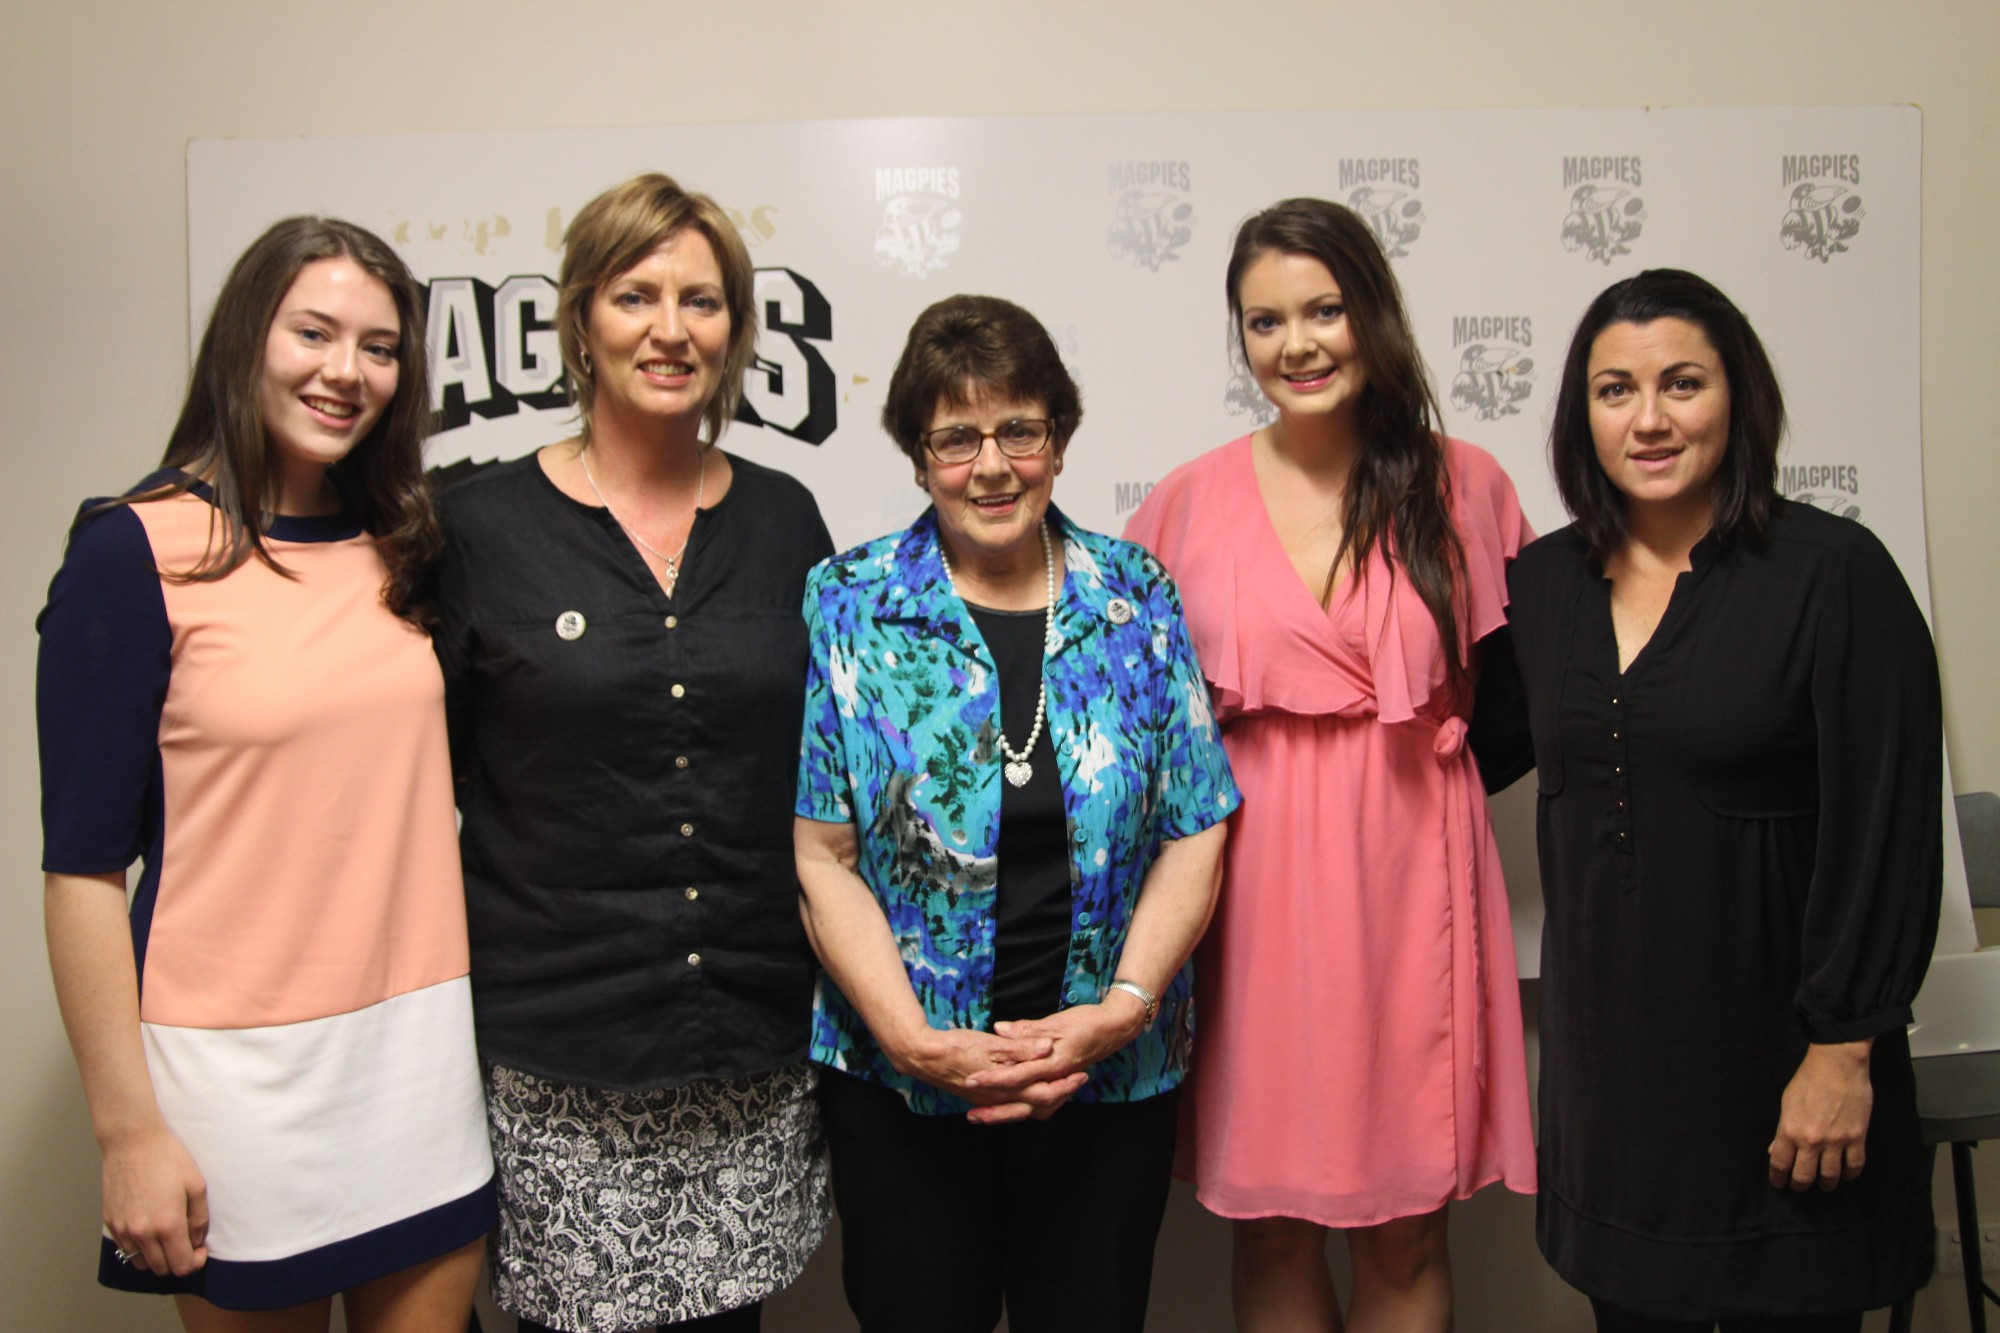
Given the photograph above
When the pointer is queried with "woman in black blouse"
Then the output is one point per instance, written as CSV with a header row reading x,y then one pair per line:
x,y
625,668
1734,705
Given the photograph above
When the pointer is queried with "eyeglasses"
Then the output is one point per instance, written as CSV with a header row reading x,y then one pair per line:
x,y
1023,438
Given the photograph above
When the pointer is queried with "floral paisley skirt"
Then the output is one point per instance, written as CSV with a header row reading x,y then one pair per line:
x,y
624,1210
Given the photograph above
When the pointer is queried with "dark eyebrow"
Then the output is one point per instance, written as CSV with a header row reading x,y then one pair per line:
x,y
1677,368
324,318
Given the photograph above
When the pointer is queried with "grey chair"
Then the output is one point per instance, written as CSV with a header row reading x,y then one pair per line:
x,y
1958,1095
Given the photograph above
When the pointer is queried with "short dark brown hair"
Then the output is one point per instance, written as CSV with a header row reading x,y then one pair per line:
x,y
965,344
1746,486
619,228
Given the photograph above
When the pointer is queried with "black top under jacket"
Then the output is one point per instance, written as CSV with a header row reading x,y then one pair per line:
x,y
1032,899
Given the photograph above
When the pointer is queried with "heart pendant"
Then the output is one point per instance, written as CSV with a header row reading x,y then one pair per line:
x,y
1018,772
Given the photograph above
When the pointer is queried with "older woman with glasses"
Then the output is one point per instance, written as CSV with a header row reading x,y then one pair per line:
x,y
1011,804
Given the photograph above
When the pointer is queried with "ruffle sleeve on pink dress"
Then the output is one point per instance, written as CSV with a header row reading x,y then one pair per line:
x,y
1358,1049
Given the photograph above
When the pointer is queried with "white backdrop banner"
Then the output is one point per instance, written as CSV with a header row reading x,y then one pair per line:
x,y
1114,230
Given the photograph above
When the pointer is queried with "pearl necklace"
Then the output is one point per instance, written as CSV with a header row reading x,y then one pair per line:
x,y
672,562
1017,768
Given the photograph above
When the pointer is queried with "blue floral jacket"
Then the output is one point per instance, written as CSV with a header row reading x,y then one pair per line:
x,y
901,739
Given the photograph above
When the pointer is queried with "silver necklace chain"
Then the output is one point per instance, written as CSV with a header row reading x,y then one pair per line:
x,y
672,562
1016,767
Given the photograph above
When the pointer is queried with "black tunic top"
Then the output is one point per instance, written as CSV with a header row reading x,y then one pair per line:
x,y
625,765
1740,853
1032,904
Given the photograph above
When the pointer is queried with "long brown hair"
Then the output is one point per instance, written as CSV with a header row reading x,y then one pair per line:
x,y
220,438
1399,492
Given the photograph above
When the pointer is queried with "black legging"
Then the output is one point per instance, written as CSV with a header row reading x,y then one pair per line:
x,y
1612,1319
744,1319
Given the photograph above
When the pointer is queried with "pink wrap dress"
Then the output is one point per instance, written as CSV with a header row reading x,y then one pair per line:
x,y
1358,1055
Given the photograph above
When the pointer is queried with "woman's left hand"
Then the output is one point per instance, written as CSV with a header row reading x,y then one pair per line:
x,y
1082,1035
1823,1119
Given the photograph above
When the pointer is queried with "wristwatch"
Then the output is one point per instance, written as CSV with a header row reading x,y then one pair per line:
x,y
1144,996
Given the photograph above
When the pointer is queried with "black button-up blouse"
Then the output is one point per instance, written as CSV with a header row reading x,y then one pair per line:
x,y
625,765
1741,850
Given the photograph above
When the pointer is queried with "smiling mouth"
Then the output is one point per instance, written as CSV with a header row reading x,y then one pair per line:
x,y
666,369
993,501
1308,376
333,407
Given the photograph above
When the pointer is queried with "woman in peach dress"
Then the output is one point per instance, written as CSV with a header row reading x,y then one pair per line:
x,y
1359,1061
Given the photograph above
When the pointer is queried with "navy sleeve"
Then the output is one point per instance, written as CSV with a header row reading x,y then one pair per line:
x,y
100,681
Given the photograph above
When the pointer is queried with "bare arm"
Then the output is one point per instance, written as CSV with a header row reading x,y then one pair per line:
x,y
155,1200
1174,907
851,936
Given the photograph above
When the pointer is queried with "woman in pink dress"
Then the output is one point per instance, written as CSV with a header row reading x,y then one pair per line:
x,y
1359,1061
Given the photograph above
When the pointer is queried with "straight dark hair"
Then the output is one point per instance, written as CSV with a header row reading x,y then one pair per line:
x,y
966,343
220,438
1399,493
1746,486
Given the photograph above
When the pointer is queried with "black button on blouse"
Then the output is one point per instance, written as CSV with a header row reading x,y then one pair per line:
x,y
626,779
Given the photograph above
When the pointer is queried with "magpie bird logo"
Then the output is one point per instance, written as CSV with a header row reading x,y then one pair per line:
x,y
1603,221
1492,380
1149,227
1240,395
1395,216
1821,221
919,233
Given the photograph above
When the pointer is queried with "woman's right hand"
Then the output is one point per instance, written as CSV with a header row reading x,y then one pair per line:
x,y
155,1199
156,1203
946,1058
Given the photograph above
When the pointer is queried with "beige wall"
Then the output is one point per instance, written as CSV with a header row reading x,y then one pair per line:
x,y
100,99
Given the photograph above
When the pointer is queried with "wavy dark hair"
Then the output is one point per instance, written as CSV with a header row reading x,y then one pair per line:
x,y
1399,494
220,438
1746,486
966,343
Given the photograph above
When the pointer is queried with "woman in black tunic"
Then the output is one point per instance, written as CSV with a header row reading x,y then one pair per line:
x,y
625,670
1734,706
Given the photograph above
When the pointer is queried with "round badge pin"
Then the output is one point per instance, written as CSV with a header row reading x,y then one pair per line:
x,y
570,625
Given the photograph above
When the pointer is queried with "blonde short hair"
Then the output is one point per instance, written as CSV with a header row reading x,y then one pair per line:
x,y
619,228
